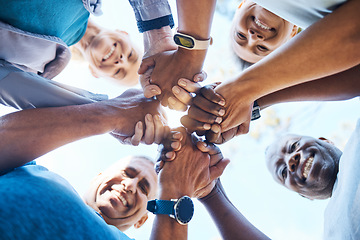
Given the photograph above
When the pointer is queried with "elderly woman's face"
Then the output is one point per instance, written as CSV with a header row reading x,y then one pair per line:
x,y
256,32
112,55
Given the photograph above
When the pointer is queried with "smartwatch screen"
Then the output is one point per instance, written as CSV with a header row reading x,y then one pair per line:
x,y
184,41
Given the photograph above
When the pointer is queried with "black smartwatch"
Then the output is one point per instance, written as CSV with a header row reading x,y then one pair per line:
x,y
255,112
181,209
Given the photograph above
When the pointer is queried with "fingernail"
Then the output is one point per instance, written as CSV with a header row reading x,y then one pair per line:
x,y
221,112
153,90
197,79
218,120
148,117
176,90
168,155
207,126
182,83
177,135
222,103
172,101
215,129
175,145
139,125
157,118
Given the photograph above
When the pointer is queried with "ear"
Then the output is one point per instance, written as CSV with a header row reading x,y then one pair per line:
x,y
326,140
294,31
93,72
142,220
121,31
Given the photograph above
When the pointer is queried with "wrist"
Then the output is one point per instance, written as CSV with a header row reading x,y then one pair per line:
x,y
158,40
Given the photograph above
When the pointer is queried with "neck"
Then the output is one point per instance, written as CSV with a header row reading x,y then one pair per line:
x,y
91,31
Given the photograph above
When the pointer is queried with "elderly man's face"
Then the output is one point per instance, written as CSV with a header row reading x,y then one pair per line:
x,y
120,193
304,164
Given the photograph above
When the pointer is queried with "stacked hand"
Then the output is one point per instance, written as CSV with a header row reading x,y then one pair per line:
x,y
217,118
196,164
136,118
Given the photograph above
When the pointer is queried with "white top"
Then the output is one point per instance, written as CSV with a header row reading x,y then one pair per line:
x,y
342,214
302,13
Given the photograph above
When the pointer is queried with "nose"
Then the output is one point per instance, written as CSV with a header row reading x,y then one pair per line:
x,y
293,162
254,35
130,185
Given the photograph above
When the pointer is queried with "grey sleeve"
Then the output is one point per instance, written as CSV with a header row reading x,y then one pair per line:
x,y
146,10
24,90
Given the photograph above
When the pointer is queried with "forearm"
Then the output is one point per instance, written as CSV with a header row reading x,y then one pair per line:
x,y
164,227
341,86
195,17
28,134
325,48
230,222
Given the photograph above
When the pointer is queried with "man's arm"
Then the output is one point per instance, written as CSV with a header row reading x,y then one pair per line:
x,y
188,173
195,18
230,222
341,86
28,134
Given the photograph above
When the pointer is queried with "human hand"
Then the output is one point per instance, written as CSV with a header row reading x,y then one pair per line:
x,y
168,148
155,131
168,68
215,157
208,113
190,173
126,111
155,41
206,110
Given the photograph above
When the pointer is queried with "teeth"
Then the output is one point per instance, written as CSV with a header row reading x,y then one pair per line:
x,y
110,53
307,167
122,199
261,25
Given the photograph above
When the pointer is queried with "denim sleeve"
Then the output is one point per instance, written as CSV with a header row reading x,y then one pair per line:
x,y
152,14
25,90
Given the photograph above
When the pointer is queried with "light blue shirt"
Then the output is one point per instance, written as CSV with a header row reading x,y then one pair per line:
x,y
38,204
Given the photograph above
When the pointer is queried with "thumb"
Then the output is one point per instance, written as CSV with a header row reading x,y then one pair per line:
x,y
146,63
217,170
151,91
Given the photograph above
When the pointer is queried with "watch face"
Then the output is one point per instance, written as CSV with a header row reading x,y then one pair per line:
x,y
184,210
184,41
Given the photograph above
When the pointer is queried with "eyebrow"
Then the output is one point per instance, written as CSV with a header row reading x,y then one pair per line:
x,y
143,180
252,50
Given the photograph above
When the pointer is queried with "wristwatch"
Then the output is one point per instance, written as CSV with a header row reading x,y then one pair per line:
x,y
181,209
255,112
189,42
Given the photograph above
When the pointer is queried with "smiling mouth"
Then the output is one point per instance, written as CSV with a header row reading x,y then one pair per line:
x,y
121,198
107,56
261,24
308,164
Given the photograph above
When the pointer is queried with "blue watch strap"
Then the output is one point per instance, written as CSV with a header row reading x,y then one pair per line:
x,y
156,23
158,206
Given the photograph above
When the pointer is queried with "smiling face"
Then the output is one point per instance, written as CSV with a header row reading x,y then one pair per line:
x,y
256,32
111,54
306,165
121,192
